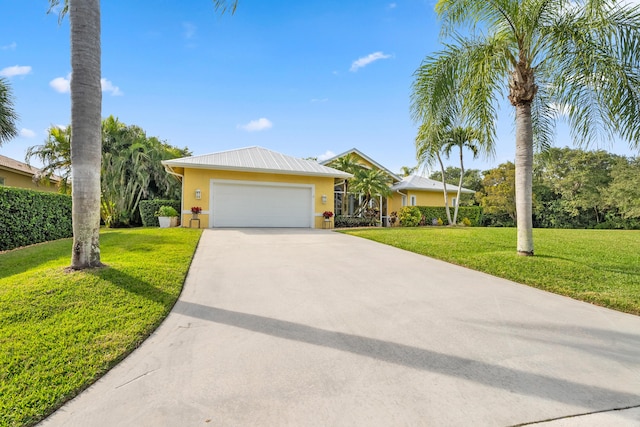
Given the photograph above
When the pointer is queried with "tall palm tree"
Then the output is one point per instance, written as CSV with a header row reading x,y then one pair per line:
x,y
430,142
577,58
462,137
434,141
86,110
8,116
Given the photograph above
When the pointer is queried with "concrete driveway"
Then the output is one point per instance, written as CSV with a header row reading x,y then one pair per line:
x,y
316,328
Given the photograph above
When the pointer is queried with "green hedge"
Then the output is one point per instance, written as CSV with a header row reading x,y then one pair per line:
x,y
345,221
474,213
28,217
148,208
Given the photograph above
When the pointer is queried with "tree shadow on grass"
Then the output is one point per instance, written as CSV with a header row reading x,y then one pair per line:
x,y
627,269
478,371
134,285
20,260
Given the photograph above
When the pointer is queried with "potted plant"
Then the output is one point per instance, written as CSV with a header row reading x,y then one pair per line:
x,y
327,215
167,217
195,210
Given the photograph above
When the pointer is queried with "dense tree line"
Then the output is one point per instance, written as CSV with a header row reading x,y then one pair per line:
x,y
130,172
572,188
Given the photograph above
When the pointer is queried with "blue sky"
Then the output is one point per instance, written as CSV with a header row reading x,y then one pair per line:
x,y
307,78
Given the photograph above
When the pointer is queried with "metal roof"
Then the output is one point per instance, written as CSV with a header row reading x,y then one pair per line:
x,y
416,182
367,158
256,159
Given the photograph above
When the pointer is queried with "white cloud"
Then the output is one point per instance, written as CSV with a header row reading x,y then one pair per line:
x,y
16,70
189,30
11,46
327,155
107,86
366,60
61,84
392,5
257,125
27,133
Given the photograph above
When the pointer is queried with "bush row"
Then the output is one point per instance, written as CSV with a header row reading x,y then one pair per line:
x,y
28,217
413,216
148,209
345,221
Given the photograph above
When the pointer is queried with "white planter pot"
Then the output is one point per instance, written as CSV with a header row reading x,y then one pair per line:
x,y
165,221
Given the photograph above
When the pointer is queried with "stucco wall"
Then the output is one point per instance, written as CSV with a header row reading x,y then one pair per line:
x,y
201,178
423,198
13,179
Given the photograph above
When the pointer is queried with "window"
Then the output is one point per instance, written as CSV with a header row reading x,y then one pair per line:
x,y
454,202
1,180
404,200
413,200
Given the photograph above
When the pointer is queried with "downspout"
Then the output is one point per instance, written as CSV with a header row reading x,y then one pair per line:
x,y
402,194
179,177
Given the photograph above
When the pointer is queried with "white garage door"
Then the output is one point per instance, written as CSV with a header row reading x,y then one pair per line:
x,y
237,204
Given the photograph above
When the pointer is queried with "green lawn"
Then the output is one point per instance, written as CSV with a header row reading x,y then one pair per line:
x,y
60,331
598,266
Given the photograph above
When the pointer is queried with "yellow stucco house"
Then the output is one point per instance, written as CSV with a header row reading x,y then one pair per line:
x,y
257,187
17,174
412,190
254,187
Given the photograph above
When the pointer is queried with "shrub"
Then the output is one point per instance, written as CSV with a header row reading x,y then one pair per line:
x,y
28,217
166,211
466,222
473,213
409,216
393,218
148,209
346,222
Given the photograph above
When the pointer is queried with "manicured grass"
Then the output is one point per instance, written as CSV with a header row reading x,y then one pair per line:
x,y
60,331
598,266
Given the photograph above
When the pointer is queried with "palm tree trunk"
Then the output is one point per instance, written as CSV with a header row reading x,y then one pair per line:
x,y
455,211
444,186
524,179
86,140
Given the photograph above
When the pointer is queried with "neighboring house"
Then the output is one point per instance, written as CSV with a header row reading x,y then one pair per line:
x,y
417,190
256,187
17,174
413,190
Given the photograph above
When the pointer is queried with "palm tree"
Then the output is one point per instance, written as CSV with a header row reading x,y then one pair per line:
x,y
370,183
349,164
86,110
407,170
577,58
462,138
8,116
55,154
430,142
442,138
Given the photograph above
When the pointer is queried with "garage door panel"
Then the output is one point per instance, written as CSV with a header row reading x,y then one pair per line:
x,y
255,205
